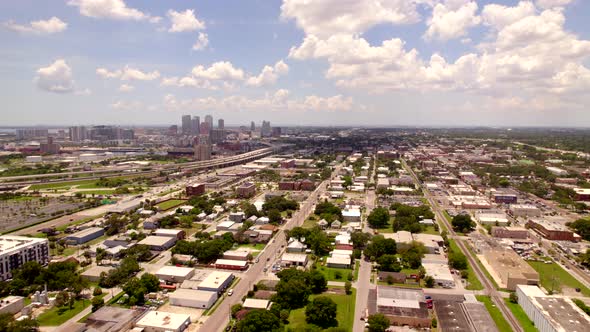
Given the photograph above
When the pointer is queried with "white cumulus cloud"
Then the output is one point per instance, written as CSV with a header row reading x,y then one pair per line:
x,y
451,19
57,77
112,9
202,42
546,4
221,70
126,88
184,21
52,25
128,74
269,75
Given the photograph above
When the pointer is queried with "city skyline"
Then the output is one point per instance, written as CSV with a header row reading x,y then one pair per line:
x,y
402,63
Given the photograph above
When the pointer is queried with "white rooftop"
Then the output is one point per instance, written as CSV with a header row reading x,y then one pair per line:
x,y
164,320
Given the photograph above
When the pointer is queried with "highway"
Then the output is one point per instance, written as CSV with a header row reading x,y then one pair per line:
x,y
220,318
137,170
488,286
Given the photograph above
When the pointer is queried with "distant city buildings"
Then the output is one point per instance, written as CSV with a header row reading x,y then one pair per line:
x,y
202,146
252,126
220,124
50,147
186,124
209,120
265,130
195,125
28,133
78,133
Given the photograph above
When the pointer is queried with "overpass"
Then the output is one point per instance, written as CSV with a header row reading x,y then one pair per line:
x,y
11,182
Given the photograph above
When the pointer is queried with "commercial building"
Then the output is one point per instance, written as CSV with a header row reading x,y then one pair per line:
x,y
293,259
111,319
230,264
510,268
464,316
246,190
553,229
193,298
196,189
491,218
179,234
93,274
524,210
513,232
551,313
432,242
582,194
159,321
85,235
216,281
557,171
256,304
441,273
17,250
159,243
402,306
237,255
12,304
505,198
175,273
351,215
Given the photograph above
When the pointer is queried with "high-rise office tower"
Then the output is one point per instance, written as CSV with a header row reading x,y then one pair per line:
x,y
195,125
202,146
205,128
220,124
209,120
78,133
265,130
252,126
186,124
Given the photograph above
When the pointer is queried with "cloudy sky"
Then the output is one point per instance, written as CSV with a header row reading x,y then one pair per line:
x,y
322,62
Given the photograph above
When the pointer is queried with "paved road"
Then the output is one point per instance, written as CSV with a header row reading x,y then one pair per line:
x,y
220,318
363,284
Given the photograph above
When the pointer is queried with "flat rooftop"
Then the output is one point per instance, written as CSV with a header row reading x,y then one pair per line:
x,y
176,271
164,320
215,279
9,243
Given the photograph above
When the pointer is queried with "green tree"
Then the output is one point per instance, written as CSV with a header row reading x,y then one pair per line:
x,y
378,323
582,227
259,321
97,303
274,216
378,218
348,287
293,293
463,223
380,246
389,263
321,312
513,297
317,281
360,239
429,282
235,309
457,260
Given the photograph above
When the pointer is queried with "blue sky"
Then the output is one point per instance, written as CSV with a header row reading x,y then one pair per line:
x,y
329,62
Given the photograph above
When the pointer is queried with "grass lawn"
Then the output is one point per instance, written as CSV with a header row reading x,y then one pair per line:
x,y
526,324
167,205
386,229
330,273
473,282
553,274
344,314
496,314
430,230
61,185
309,223
57,316
357,266
254,246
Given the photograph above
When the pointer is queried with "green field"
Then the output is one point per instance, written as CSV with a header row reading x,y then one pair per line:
x,y
496,314
553,276
167,205
57,316
330,273
98,192
474,283
344,315
430,230
61,185
526,324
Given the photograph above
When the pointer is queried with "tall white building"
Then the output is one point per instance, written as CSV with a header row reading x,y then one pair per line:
x,y
17,250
